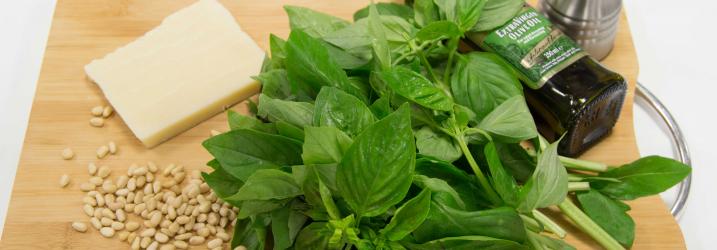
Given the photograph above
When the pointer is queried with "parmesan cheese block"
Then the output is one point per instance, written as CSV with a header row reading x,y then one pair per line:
x,y
189,68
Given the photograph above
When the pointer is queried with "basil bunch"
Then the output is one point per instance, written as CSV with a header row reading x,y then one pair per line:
x,y
378,134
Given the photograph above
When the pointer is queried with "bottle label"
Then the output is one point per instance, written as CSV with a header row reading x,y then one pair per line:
x,y
533,46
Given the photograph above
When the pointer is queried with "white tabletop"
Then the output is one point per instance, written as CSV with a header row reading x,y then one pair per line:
x,y
677,63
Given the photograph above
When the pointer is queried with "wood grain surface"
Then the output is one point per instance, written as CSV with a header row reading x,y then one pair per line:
x,y
40,212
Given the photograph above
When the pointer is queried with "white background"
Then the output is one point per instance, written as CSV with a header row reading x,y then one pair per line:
x,y
675,43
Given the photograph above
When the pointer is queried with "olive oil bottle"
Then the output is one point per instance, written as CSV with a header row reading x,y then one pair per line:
x,y
570,94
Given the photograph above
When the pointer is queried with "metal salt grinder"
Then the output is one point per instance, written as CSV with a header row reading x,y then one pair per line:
x,y
591,23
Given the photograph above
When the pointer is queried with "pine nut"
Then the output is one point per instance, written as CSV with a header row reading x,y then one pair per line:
x,y
184,236
117,225
96,180
135,243
108,187
96,111
240,247
177,169
161,238
112,147
204,232
131,236
68,154
64,180
149,232
180,244
214,243
168,169
89,210
157,186
79,227
167,247
145,242
223,235
196,240
131,226
150,177
87,187
92,168
153,246
102,151
104,171
107,213
132,184
122,236
122,181
97,122
107,111
106,221
141,180
95,223
121,216
139,171
107,232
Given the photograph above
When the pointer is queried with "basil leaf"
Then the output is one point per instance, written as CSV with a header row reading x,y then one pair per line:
x,y
238,121
417,88
510,121
223,184
345,59
482,81
444,221
549,183
496,13
324,145
447,9
356,39
503,183
438,31
338,109
441,191
468,13
381,107
309,66
425,12
408,217
312,22
267,184
466,243
275,84
247,235
647,176
379,42
242,152
296,113
306,177
314,236
375,172
251,208
516,161
610,215
436,145
550,242
286,129
285,225
387,9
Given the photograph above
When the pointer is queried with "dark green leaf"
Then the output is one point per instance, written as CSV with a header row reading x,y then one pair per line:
x,y
381,107
267,184
516,161
324,145
238,121
438,31
425,12
375,173
647,176
387,9
275,84
439,146
338,109
444,221
379,42
497,12
482,81
408,217
245,234
242,152
468,13
345,59
295,113
442,192
549,183
312,22
610,215
417,88
223,184
306,178
309,66
256,207
503,183
550,242
290,131
510,121
314,236
285,225
467,243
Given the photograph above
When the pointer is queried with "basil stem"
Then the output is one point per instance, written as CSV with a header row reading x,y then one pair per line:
x,y
492,195
588,226
578,186
549,224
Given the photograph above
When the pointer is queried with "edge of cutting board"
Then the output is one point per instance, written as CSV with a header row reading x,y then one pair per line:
x,y
40,213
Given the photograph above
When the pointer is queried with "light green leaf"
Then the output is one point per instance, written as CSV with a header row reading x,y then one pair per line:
x,y
646,176
312,22
510,121
437,145
295,113
408,217
338,109
268,184
549,183
417,88
324,145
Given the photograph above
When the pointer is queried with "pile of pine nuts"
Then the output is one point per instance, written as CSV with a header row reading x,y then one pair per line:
x,y
100,113
172,215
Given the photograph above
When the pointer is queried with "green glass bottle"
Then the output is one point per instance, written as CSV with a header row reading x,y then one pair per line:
x,y
570,93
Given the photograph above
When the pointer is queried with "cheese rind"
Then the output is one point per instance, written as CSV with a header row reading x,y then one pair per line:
x,y
192,66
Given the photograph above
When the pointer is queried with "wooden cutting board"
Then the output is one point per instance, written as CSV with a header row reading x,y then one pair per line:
x,y
40,212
